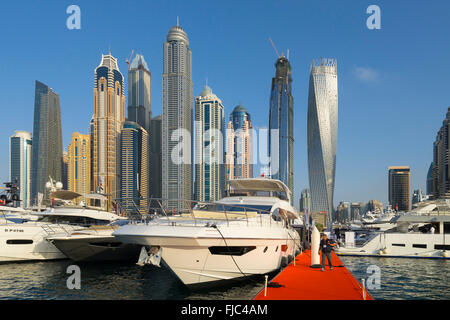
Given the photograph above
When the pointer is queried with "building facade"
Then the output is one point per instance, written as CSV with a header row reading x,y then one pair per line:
x,y
305,200
140,93
79,165
441,172
209,147
20,145
281,121
429,184
47,140
239,158
155,155
177,132
322,134
134,177
109,109
399,188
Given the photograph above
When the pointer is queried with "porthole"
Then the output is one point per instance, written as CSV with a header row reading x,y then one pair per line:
x,y
265,249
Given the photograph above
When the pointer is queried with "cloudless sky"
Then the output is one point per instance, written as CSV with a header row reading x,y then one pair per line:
x,y
394,83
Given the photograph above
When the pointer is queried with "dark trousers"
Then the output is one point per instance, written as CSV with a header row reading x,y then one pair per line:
x,y
328,256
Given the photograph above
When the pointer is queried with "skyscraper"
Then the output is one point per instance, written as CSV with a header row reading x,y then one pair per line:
x,y
399,188
281,119
140,92
239,161
65,170
134,178
430,180
79,165
305,200
20,165
47,140
177,119
109,106
209,147
155,173
441,161
322,134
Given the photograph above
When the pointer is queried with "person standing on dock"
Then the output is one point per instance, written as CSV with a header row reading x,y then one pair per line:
x,y
326,246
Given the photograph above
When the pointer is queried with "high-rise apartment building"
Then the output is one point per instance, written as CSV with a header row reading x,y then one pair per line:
x,y
399,188
20,165
305,200
281,122
109,109
155,156
322,134
430,180
134,177
177,132
47,140
79,165
441,161
239,158
209,147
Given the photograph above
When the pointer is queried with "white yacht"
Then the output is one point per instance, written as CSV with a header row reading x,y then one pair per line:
x,y
26,240
246,233
415,236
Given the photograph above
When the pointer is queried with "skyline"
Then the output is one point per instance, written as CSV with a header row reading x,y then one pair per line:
x,y
410,96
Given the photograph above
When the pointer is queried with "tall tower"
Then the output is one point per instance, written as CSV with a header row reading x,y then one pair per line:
x,y
239,159
322,134
20,165
209,147
140,92
134,178
399,188
47,140
109,106
281,119
155,158
79,164
441,162
177,96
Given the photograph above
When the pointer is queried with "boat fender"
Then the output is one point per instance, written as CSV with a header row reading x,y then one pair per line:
x,y
380,252
385,251
444,254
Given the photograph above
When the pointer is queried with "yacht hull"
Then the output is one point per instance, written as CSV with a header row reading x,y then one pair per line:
x,y
201,256
105,248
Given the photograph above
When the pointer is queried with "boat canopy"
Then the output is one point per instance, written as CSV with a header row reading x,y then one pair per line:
x,y
426,209
424,219
259,184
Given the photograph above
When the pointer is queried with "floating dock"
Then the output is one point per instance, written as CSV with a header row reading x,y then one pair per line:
x,y
301,282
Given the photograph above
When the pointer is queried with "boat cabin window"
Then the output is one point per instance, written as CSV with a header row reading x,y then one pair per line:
x,y
398,245
19,241
442,246
231,251
73,220
276,194
218,207
423,246
446,227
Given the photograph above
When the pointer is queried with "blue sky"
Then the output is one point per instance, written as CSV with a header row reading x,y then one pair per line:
x,y
394,84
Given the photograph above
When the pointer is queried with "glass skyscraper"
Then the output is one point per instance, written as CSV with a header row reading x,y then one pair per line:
x,y
322,134
47,140
177,119
209,147
281,120
20,165
155,158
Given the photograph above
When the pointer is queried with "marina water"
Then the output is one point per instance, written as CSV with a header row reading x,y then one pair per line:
x,y
400,279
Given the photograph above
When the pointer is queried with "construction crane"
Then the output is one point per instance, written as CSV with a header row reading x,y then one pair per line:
x,y
275,48
128,60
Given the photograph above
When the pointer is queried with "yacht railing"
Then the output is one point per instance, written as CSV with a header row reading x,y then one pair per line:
x,y
144,211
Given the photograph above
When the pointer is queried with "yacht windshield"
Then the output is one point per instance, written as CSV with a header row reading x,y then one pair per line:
x,y
73,220
219,207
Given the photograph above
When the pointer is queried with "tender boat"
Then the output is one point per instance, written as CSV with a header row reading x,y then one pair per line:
x,y
246,233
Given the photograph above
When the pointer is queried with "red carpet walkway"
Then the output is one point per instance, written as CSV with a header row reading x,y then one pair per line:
x,y
305,283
